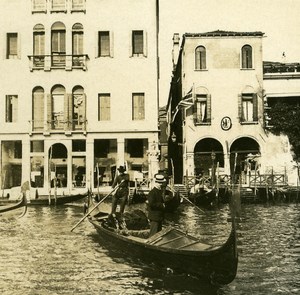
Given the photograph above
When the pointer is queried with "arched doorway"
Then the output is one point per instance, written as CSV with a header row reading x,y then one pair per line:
x,y
240,150
208,154
58,167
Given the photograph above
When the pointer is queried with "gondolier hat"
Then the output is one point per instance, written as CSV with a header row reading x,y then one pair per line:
x,y
121,169
159,178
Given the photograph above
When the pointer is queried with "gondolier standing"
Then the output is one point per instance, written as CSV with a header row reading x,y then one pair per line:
x,y
122,192
156,205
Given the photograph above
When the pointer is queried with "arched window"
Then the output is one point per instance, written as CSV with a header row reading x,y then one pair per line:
x,y
38,45
200,58
77,44
38,108
58,107
247,57
58,44
78,107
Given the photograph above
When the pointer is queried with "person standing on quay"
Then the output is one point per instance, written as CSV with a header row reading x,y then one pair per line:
x,y
156,205
122,192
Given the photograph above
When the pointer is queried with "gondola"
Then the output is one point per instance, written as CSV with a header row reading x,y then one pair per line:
x,y
14,210
205,197
171,248
56,200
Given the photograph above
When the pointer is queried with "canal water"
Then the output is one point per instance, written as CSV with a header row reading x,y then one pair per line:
x,y
39,255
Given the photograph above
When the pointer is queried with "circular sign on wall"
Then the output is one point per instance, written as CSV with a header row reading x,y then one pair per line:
x,y
226,123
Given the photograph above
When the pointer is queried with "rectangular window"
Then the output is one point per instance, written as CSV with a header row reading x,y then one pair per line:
x,y
201,108
37,146
58,42
11,108
58,4
104,107
137,42
39,5
248,108
39,43
103,43
77,48
78,4
136,147
138,106
12,46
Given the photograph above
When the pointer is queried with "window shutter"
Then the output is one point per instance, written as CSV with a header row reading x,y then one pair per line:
x,y
38,110
66,110
203,58
240,114
70,111
195,112
130,44
111,45
7,113
255,107
84,108
145,49
18,45
49,109
208,107
54,42
142,107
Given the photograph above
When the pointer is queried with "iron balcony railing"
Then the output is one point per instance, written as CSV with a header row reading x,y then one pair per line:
x,y
58,61
37,126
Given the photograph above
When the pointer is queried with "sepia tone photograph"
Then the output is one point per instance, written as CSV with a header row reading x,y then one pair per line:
x,y
149,147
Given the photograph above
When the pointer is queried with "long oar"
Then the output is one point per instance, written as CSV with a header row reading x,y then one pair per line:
x,y
87,214
194,205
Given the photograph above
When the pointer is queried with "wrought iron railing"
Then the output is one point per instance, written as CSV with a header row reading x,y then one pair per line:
x,y
58,125
58,61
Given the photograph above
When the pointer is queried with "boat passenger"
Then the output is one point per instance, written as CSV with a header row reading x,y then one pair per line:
x,y
121,195
156,205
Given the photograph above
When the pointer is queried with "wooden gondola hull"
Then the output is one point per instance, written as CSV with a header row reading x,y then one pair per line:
x,y
14,210
203,198
217,265
59,200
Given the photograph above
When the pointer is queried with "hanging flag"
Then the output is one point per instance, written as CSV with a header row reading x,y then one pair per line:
x,y
186,102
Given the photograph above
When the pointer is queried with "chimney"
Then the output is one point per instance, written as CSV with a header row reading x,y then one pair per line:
x,y
175,50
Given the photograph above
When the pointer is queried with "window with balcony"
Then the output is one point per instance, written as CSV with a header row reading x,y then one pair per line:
x,y
104,107
248,109
39,5
105,47
79,108
138,43
38,46
12,46
202,109
38,97
78,5
77,46
11,108
200,58
138,106
247,57
58,5
57,108
58,45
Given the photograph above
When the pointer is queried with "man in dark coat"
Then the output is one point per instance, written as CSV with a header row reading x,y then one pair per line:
x,y
156,205
122,192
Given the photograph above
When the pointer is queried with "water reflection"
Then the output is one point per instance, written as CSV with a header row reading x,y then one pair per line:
x,y
39,254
